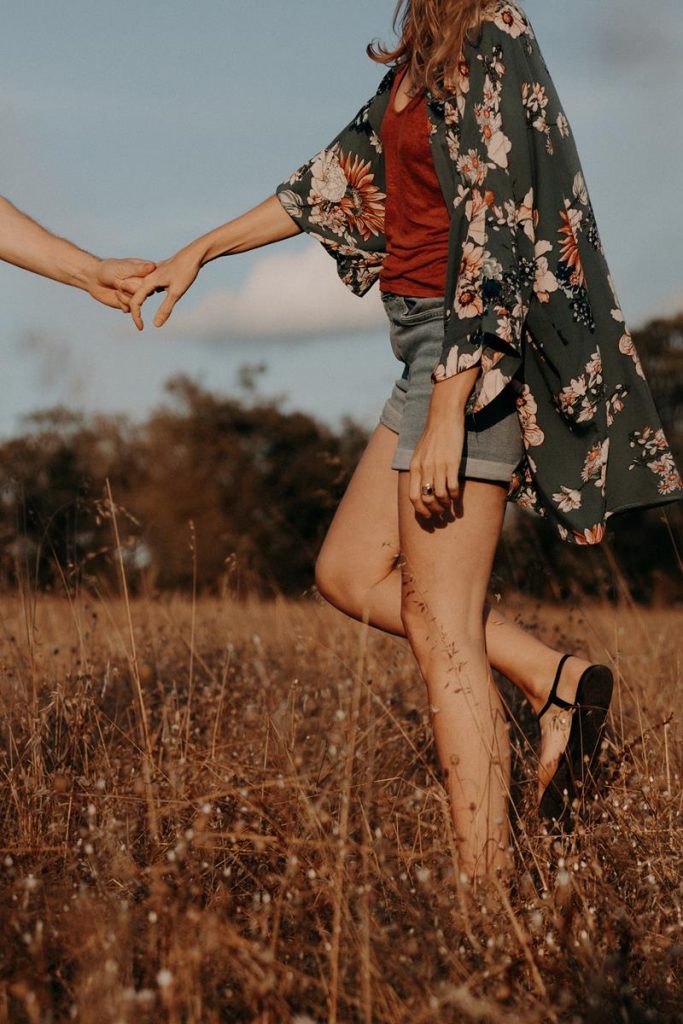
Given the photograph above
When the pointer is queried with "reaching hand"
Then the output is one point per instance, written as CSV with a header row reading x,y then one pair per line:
x,y
174,276
113,282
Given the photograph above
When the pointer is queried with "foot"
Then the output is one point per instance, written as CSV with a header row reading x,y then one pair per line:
x,y
556,722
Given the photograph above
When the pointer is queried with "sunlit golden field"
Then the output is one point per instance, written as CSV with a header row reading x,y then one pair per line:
x,y
231,811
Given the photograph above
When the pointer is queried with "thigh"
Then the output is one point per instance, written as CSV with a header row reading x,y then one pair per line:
x,y
446,566
362,539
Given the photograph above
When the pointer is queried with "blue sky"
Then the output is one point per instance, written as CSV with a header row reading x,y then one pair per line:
x,y
132,128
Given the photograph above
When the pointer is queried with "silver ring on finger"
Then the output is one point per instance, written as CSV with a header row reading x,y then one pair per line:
x,y
427,488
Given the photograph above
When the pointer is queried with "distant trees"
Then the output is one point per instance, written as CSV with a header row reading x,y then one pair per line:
x,y
233,492
260,487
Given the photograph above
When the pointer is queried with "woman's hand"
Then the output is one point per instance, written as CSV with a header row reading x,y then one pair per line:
x,y
264,224
174,276
437,455
436,461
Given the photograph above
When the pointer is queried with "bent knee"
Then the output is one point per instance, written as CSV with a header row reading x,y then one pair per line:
x,y
332,580
343,583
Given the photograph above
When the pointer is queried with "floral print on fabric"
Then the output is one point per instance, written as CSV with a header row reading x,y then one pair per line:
x,y
497,266
529,296
654,452
338,197
344,196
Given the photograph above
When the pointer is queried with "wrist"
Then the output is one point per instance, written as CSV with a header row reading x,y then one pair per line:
x,y
81,270
451,394
196,253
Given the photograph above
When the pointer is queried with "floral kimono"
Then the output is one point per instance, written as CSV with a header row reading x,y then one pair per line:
x,y
529,295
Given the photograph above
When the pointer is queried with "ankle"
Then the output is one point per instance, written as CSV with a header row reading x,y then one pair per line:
x,y
538,688
537,684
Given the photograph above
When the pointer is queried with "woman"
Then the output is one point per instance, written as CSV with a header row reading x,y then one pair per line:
x,y
458,187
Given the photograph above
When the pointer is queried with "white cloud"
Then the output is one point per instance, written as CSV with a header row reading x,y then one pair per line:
x,y
285,294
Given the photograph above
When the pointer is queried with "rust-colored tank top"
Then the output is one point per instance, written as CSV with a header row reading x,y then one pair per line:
x,y
416,216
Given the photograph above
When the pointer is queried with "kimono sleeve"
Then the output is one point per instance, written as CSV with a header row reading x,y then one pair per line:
x,y
492,256
337,197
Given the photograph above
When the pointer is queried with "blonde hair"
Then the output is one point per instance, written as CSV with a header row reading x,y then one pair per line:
x,y
432,39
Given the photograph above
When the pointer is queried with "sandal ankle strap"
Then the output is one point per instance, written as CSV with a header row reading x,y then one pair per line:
x,y
552,696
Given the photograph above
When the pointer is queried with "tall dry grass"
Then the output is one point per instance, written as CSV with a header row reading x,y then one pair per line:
x,y
230,811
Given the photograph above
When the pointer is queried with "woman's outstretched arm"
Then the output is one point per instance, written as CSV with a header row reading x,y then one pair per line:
x,y
26,244
268,222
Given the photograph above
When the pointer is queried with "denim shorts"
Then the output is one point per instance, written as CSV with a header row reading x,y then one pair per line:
x,y
493,445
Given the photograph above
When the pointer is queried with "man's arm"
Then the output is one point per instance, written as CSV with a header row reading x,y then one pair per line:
x,y
26,244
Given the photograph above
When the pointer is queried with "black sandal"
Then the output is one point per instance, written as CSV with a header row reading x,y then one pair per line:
x,y
578,763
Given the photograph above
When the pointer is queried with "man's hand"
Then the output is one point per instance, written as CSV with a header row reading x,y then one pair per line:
x,y
114,282
27,244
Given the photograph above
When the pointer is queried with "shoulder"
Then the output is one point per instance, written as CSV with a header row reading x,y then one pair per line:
x,y
507,34
507,19
507,27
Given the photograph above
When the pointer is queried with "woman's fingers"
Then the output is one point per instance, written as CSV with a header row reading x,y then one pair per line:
x,y
425,504
443,498
452,480
148,286
444,483
436,462
130,285
415,492
435,474
165,309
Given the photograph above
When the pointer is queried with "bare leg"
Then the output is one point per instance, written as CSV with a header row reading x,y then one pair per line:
x,y
358,572
530,665
445,574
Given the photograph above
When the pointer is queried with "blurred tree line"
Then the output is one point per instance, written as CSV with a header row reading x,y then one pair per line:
x,y
224,492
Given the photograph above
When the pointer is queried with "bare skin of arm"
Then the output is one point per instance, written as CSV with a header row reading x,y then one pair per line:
x,y
26,244
266,223
437,454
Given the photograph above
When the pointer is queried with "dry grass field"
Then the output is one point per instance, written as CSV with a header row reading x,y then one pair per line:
x,y
217,810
